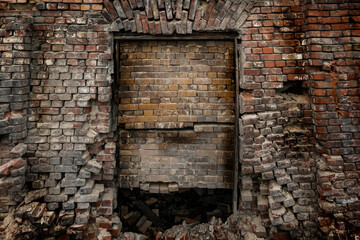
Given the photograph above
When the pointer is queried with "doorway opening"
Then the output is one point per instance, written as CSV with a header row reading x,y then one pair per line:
x,y
176,104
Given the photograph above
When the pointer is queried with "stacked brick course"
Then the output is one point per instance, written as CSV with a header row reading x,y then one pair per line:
x,y
299,153
201,158
284,42
15,42
332,40
63,52
175,85
277,144
15,38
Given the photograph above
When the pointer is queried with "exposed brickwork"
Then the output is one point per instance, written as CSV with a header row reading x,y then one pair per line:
x,y
69,114
279,145
277,158
279,48
15,39
202,158
175,85
332,42
172,17
12,176
299,153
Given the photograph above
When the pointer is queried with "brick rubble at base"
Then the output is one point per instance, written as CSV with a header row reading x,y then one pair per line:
x,y
299,107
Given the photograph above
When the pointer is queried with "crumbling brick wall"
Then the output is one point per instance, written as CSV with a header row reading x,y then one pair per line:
x,y
277,160
299,156
311,42
15,37
333,66
55,80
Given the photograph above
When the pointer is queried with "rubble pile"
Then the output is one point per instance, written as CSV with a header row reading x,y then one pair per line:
x,y
33,219
278,166
242,225
13,166
148,213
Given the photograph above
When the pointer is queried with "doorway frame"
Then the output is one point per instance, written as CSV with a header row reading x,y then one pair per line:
x,y
234,36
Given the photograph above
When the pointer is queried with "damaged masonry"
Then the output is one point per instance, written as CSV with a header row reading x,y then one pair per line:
x,y
179,119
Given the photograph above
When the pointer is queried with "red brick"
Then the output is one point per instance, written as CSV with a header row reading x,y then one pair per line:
x,y
109,6
269,64
318,13
268,50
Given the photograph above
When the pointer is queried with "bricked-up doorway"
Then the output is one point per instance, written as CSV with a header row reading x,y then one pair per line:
x,y
176,113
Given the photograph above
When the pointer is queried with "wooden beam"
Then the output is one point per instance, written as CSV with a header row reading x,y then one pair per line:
x,y
116,71
236,145
175,37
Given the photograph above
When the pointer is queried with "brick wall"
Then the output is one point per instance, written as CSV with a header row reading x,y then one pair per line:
x,y
277,143
202,158
294,46
63,52
332,39
15,39
299,153
175,85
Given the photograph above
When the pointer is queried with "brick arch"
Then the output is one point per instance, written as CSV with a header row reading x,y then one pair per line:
x,y
167,17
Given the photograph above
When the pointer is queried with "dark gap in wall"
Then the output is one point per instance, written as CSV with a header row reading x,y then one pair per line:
x,y
178,129
194,206
295,87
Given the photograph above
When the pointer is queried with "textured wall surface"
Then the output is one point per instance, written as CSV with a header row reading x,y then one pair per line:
x,y
202,158
299,110
175,85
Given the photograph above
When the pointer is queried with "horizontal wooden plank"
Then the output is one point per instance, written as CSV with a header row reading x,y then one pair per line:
x,y
194,36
